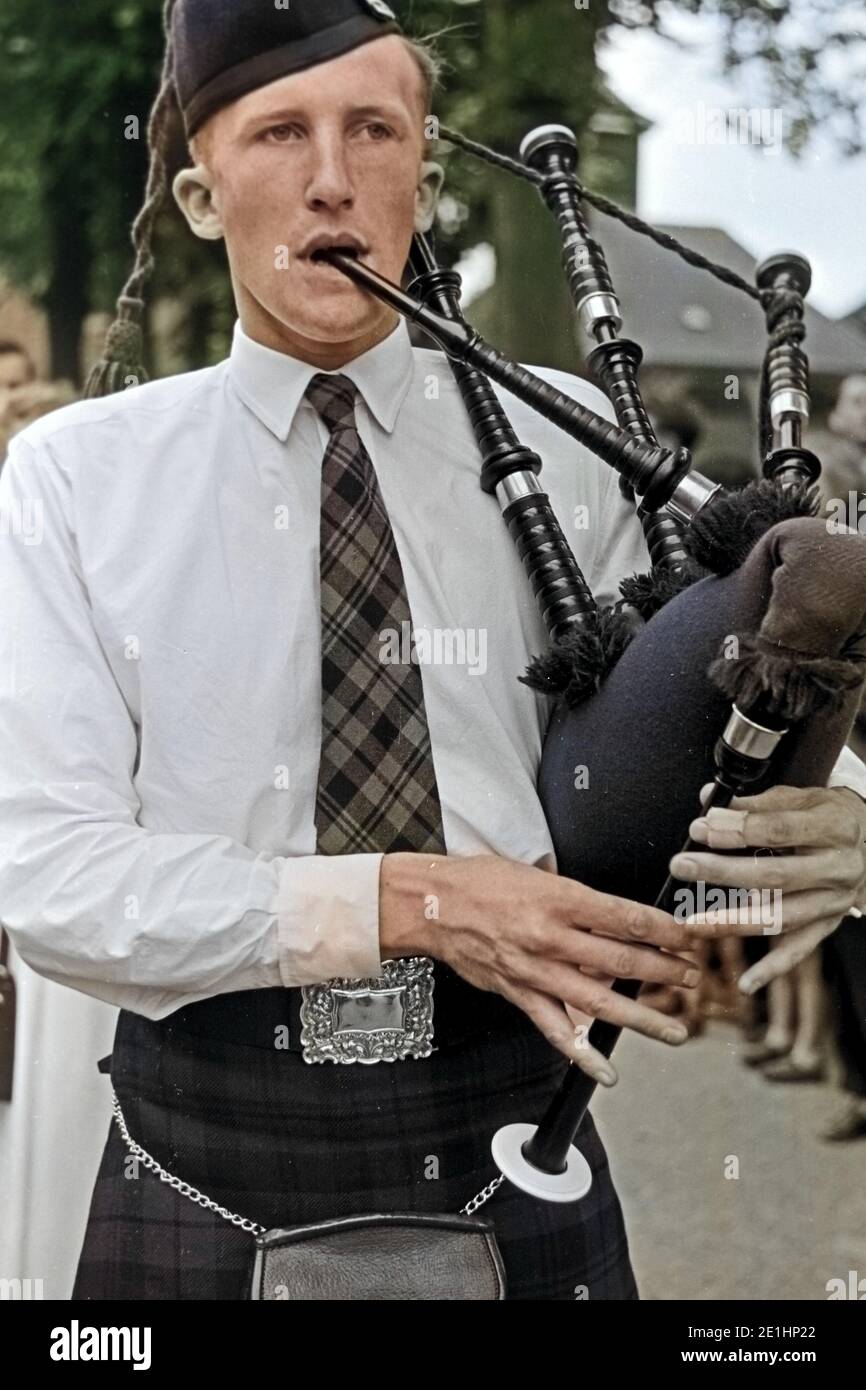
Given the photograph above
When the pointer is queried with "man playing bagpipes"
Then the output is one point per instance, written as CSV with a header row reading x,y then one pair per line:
x,y
232,807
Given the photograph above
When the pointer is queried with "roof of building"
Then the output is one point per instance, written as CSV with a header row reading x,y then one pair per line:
x,y
685,317
857,320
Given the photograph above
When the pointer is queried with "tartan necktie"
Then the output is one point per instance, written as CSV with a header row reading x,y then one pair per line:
x,y
377,786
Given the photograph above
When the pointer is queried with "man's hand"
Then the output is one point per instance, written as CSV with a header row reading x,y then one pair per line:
x,y
817,870
545,943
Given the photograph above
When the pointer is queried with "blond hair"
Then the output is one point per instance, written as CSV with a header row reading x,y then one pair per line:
x,y
429,62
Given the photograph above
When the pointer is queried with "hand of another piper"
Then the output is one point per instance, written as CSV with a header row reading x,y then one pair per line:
x,y
814,876
545,943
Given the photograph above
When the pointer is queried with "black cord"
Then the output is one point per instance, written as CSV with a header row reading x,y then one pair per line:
x,y
610,209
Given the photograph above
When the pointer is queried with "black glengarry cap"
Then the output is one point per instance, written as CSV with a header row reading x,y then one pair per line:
x,y
226,48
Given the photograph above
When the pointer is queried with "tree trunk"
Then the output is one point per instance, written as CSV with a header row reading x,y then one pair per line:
x,y
540,69
199,325
66,298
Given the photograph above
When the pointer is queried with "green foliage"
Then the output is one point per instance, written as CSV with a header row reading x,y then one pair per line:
x,y
70,75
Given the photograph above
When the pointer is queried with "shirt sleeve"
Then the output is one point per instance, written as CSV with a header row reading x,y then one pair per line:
x,y
849,771
145,919
622,549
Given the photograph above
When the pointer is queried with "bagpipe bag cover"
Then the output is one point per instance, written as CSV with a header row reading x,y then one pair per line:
x,y
797,606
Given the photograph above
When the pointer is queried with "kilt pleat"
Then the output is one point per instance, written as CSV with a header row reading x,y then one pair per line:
x,y
284,1143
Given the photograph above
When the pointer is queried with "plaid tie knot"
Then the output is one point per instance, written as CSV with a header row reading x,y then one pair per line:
x,y
333,398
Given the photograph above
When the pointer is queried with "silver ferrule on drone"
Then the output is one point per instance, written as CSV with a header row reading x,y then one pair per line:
x,y
691,496
749,739
599,308
789,414
788,405
516,486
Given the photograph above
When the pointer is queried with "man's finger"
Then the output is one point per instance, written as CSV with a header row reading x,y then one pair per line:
x,y
619,959
640,1018
790,952
571,1040
829,823
770,914
825,868
621,918
597,1000
780,799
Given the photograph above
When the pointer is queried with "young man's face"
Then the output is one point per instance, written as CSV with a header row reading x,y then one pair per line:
x,y
331,154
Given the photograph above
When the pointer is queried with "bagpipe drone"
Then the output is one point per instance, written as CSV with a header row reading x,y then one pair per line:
x,y
649,687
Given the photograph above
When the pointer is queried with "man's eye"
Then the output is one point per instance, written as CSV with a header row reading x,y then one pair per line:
x,y
280,133
376,131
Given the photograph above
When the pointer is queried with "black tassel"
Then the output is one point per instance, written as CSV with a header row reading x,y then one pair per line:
x,y
723,534
650,592
575,667
121,364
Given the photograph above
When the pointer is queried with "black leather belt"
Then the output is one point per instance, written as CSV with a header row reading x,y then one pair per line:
x,y
271,1018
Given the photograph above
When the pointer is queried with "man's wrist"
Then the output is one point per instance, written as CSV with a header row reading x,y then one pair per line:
x,y
409,888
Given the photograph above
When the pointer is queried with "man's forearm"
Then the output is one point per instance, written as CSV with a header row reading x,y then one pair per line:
x,y
152,921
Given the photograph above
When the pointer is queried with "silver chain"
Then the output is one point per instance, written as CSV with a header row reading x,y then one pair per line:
x,y
252,1227
483,1196
182,1187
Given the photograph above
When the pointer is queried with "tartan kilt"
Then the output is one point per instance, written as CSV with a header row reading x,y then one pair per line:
x,y
284,1142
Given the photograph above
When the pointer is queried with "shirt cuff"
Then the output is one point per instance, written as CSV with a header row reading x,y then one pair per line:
x,y
328,918
850,772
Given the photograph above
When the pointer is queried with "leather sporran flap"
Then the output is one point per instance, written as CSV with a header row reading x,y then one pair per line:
x,y
400,1256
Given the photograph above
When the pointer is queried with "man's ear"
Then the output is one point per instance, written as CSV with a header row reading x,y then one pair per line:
x,y
427,196
194,195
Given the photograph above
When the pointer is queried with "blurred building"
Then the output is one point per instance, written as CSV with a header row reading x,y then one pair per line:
x,y
856,320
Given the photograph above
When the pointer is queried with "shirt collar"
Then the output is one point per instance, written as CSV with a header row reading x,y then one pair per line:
x,y
272,384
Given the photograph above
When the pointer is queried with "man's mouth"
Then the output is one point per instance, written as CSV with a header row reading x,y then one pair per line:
x,y
318,248
323,257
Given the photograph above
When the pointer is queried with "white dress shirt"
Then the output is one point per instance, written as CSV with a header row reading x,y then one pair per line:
x,y
160,666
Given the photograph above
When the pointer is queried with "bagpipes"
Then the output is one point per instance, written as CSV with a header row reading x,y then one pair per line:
x,y
738,661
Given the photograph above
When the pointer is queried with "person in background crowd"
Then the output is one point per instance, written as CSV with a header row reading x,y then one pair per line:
x,y
843,454
23,399
791,1049
16,366
843,450
845,969
17,371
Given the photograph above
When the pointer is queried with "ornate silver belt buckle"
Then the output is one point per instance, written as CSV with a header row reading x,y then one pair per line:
x,y
384,1019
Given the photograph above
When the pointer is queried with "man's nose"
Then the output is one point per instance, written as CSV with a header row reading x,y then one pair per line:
x,y
330,183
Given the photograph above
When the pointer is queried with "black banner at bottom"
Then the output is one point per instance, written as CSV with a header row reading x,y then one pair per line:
x,y
63,1339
